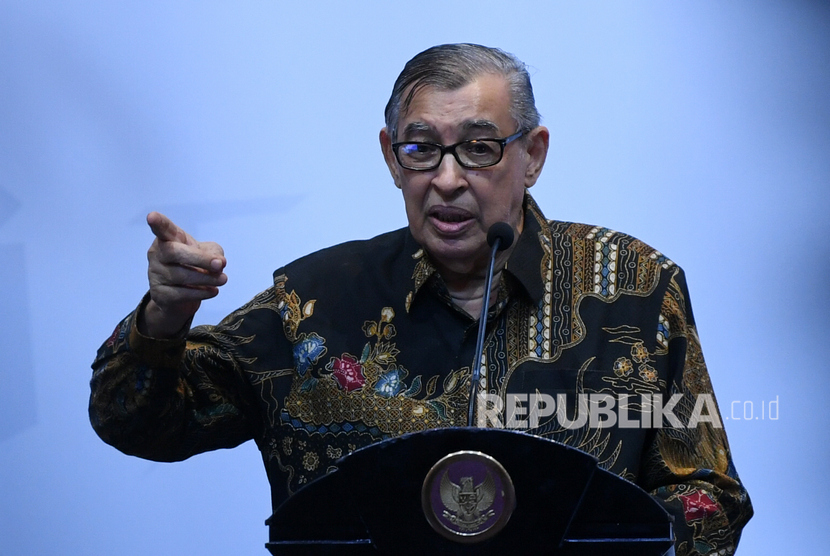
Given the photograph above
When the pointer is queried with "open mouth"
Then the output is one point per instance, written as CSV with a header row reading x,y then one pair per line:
x,y
450,220
449,214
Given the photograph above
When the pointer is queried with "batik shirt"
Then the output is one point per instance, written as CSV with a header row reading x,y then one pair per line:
x,y
361,342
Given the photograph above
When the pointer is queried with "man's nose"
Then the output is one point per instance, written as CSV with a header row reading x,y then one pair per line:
x,y
450,175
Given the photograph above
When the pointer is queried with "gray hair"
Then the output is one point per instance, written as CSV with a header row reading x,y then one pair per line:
x,y
452,66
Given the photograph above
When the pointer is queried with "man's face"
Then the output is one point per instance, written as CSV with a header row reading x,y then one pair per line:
x,y
451,208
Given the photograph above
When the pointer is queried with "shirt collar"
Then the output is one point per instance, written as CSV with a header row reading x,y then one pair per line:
x,y
524,263
418,267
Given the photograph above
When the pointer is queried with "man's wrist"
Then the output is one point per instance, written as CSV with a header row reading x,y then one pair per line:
x,y
154,322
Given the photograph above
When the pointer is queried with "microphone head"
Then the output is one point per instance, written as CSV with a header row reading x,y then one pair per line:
x,y
501,231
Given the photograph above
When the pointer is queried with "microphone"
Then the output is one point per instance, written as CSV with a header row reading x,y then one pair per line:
x,y
501,232
499,237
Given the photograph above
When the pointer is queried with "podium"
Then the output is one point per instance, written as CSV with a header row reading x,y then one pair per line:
x,y
470,491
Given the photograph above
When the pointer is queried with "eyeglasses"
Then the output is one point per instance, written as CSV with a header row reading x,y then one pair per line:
x,y
476,153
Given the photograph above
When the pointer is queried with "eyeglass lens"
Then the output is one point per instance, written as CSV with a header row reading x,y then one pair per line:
x,y
472,154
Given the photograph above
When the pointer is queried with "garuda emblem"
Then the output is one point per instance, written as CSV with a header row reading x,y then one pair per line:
x,y
466,505
467,496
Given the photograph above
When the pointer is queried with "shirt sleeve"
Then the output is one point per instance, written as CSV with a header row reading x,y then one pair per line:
x,y
689,468
166,400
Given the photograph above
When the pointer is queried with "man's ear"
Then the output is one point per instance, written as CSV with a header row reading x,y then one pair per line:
x,y
389,156
536,145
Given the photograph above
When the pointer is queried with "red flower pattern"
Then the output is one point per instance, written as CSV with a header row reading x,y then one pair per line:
x,y
698,505
348,373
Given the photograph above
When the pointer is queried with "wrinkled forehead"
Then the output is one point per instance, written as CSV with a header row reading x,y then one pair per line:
x,y
481,105
428,86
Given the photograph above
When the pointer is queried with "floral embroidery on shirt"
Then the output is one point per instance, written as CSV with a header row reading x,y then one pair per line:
x,y
347,372
307,351
698,505
371,388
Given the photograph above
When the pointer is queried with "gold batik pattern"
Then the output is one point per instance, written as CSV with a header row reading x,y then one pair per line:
x,y
369,387
578,261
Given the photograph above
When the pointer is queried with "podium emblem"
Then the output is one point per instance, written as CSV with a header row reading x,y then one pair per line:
x,y
467,497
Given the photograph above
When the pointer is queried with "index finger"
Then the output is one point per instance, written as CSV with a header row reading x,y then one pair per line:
x,y
164,228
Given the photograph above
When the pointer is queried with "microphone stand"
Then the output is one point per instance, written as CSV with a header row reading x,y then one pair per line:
x,y
497,232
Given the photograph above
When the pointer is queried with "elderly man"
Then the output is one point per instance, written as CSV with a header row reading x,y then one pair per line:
x,y
373,339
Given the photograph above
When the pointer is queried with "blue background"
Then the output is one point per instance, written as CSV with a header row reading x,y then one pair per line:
x,y
701,127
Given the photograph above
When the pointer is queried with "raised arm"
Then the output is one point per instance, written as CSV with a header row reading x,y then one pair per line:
x,y
160,390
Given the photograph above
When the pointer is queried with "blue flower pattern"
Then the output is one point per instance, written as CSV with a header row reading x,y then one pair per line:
x,y
307,351
390,384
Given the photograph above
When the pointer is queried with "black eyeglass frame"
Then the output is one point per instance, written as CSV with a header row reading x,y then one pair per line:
x,y
451,149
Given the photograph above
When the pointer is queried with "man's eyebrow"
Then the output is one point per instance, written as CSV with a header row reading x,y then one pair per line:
x,y
416,127
480,125
474,126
